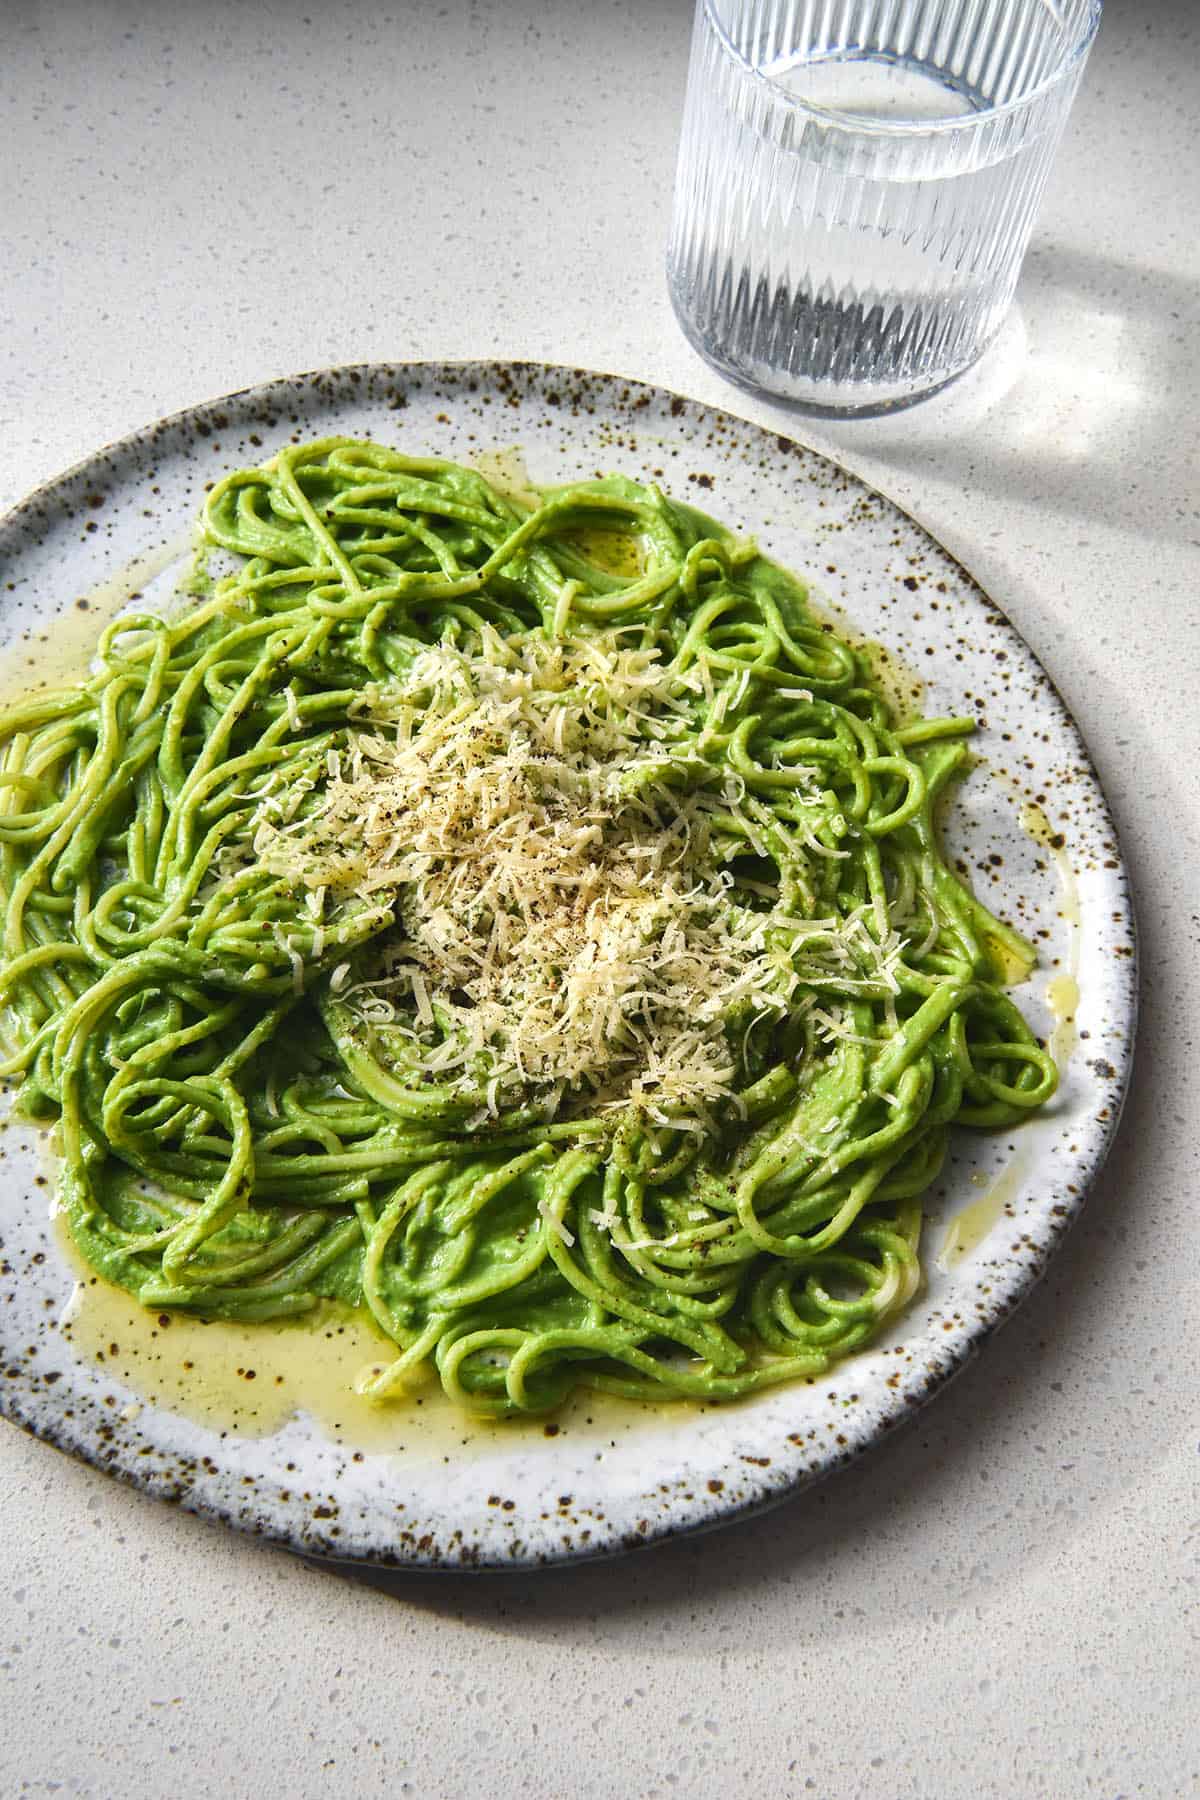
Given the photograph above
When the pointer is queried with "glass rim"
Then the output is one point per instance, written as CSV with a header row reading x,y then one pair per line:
x,y
858,125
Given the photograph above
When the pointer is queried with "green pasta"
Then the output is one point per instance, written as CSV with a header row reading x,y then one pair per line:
x,y
658,1127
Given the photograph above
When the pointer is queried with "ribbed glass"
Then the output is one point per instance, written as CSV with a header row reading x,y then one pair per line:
x,y
857,182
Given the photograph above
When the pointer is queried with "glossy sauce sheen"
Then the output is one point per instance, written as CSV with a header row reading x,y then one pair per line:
x,y
970,1226
1062,993
63,652
979,1218
899,683
250,1380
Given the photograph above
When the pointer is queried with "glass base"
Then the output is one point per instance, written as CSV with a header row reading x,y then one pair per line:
x,y
855,399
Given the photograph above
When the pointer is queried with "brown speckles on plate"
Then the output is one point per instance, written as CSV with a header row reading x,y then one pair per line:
x,y
592,1487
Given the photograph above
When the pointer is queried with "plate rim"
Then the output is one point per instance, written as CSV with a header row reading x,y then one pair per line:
x,y
41,1424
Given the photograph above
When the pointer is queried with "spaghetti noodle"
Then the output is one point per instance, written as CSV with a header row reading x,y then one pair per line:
x,y
522,921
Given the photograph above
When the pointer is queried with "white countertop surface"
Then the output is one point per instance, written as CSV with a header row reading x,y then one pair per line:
x,y
1003,1600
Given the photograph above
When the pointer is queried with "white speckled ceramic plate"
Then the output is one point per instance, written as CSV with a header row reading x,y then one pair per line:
x,y
1030,825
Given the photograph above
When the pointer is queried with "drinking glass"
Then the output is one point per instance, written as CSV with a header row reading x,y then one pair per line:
x,y
857,182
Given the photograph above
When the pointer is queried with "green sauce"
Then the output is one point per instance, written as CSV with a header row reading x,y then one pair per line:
x,y
239,1144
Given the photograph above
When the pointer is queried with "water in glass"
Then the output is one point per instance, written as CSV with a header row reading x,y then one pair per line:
x,y
857,183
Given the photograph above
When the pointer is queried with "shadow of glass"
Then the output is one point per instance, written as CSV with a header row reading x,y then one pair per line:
x,y
1087,392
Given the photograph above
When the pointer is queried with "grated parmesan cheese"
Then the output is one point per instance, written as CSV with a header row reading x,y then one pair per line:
x,y
555,847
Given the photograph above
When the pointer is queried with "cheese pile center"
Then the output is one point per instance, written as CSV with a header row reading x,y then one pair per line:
x,y
567,926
